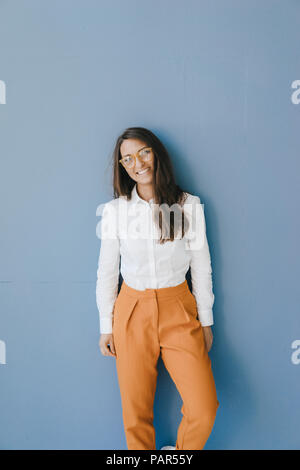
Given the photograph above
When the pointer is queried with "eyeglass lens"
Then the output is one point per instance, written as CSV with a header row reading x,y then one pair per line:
x,y
145,155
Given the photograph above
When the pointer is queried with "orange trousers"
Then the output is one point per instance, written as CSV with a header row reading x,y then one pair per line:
x,y
162,321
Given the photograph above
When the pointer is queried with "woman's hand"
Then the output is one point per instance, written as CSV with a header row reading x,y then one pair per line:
x,y
105,340
208,336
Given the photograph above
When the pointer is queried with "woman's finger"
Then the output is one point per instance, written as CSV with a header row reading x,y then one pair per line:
x,y
112,347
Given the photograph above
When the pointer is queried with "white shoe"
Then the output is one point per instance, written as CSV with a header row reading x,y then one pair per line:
x,y
168,448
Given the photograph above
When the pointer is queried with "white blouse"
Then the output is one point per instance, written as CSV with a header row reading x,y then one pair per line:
x,y
127,232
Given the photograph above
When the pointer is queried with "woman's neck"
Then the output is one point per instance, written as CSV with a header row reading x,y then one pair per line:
x,y
145,191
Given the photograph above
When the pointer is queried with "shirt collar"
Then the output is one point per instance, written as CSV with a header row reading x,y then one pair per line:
x,y
136,198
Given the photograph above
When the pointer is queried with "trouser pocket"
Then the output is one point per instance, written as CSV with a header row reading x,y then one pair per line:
x,y
188,304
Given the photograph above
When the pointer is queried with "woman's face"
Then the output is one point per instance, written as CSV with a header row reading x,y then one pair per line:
x,y
130,147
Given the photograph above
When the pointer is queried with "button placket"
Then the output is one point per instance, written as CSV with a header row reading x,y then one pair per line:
x,y
151,248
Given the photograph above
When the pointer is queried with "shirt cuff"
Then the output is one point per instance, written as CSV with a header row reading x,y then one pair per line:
x,y
206,317
106,325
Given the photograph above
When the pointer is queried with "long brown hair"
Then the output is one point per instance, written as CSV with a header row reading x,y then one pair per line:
x,y
164,187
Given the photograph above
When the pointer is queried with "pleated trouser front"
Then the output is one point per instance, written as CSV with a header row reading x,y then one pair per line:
x,y
162,321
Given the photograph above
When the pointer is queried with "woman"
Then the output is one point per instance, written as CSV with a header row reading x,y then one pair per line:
x,y
155,312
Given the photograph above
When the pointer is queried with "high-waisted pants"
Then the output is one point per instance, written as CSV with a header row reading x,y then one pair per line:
x,y
162,321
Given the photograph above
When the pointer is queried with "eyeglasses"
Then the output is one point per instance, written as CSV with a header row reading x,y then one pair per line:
x,y
145,155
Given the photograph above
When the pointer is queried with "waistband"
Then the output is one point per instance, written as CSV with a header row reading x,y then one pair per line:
x,y
162,292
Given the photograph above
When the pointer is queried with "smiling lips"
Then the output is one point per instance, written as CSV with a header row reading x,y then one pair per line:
x,y
142,171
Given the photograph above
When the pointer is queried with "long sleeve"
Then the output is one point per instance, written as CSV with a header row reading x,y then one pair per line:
x,y
200,264
108,268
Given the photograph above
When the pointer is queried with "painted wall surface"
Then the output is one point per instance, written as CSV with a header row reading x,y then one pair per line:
x,y
219,83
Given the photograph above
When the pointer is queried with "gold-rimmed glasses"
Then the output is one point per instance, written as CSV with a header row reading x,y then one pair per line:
x,y
145,155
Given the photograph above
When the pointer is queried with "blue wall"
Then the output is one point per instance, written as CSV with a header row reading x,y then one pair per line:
x,y
213,80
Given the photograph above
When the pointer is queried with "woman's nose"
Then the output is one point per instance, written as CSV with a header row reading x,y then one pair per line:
x,y
138,165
